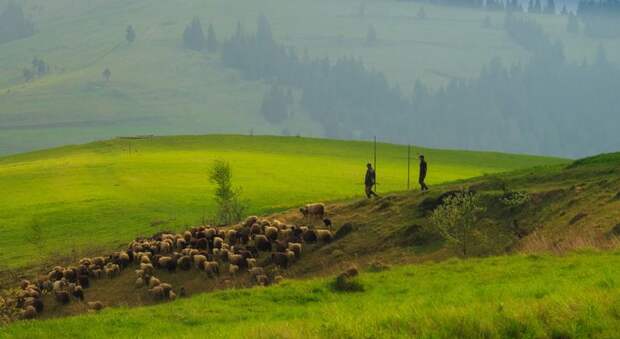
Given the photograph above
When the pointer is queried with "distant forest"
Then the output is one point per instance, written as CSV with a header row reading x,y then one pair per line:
x,y
13,24
546,105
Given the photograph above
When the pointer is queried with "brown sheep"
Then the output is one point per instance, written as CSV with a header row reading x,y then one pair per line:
x,y
309,236
316,210
255,271
199,261
184,263
29,312
249,221
172,296
237,259
217,242
280,259
324,235
296,248
154,282
211,268
255,229
139,283
164,261
251,262
262,280
95,305
271,233
233,269
62,297
157,292
262,243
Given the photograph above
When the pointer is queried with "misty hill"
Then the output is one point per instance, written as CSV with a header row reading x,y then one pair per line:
x,y
156,86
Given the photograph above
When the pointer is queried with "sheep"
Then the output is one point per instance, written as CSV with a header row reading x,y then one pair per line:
x,y
29,312
172,296
187,235
237,259
233,269
96,273
217,242
145,259
139,282
164,261
34,302
62,297
231,236
148,269
99,261
271,233
309,235
280,259
154,282
278,279
24,284
95,305
262,243
157,292
255,229
124,259
324,235
78,293
262,280
59,285
296,248
251,262
316,210
86,261
211,268
199,260
255,271
83,280
249,221
291,255
184,262
181,243
165,247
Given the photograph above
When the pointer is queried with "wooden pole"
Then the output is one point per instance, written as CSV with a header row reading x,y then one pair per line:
x,y
408,167
375,162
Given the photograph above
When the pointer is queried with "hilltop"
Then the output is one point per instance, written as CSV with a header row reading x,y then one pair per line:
x,y
97,196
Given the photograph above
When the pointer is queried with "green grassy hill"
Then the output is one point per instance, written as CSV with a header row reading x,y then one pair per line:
x,y
575,296
96,196
159,88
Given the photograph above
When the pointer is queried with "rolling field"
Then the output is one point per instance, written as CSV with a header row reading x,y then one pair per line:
x,y
159,88
524,296
101,195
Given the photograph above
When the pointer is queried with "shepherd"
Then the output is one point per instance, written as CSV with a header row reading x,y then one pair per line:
x,y
370,180
423,170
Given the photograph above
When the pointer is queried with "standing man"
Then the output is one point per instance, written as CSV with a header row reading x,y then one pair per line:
x,y
370,180
423,170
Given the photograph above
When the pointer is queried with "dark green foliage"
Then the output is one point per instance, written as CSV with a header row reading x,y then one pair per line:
x,y
130,34
275,106
193,36
106,74
344,283
13,24
230,207
573,24
211,40
601,18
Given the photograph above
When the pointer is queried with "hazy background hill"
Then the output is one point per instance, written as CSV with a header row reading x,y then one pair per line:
x,y
156,86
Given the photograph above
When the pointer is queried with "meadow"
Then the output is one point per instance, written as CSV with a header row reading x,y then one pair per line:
x,y
98,196
520,296
157,87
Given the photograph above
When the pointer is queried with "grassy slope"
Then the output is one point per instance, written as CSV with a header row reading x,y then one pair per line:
x,y
159,88
99,194
514,296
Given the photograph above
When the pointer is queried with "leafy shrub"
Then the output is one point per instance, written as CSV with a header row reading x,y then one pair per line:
x,y
230,206
344,283
515,199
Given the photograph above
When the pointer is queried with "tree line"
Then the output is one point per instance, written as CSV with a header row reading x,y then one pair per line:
x,y
13,24
541,106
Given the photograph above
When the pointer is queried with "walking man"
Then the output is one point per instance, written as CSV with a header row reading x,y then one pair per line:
x,y
370,181
423,170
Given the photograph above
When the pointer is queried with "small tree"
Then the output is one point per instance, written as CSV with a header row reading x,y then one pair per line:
x,y
371,36
211,40
457,218
130,35
107,74
230,207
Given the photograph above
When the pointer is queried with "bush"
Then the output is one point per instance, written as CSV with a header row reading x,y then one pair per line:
x,y
515,199
230,207
344,283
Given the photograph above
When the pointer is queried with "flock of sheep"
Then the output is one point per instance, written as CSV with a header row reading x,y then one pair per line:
x,y
210,250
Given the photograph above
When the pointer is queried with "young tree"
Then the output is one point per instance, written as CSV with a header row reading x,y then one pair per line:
x,y
211,40
457,218
371,36
107,74
230,207
193,36
130,34
573,24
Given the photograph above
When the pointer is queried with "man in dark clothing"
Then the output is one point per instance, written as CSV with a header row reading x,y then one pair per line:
x,y
423,170
369,181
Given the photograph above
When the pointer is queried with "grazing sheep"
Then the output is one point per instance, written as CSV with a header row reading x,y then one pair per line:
x,y
262,280
296,248
324,235
167,288
327,222
313,210
262,243
148,269
157,292
217,242
78,293
255,271
280,259
237,259
280,245
233,269
29,312
278,279
34,302
164,261
309,236
165,247
211,268
249,221
271,233
251,262
59,285
172,296
145,259
154,282
139,283
99,261
181,243
95,305
83,280
184,263
199,260
187,235
62,297
291,255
